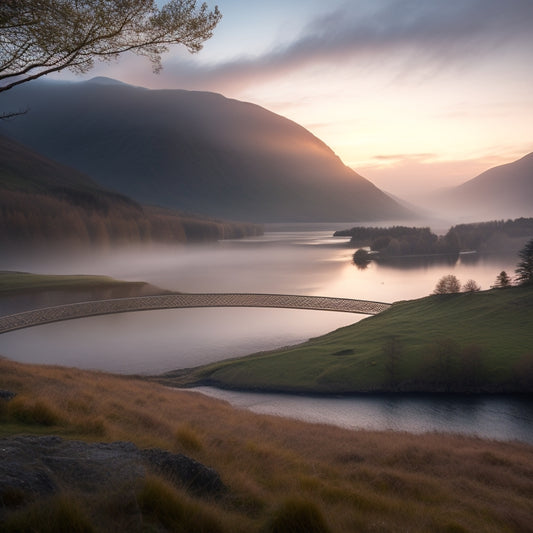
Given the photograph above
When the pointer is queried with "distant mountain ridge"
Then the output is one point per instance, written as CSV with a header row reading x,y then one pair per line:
x,y
193,151
504,191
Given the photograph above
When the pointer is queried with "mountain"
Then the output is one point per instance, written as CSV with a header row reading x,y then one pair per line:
x,y
24,170
193,151
505,191
43,202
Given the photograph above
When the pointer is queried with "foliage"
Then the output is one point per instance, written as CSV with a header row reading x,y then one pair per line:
x,y
393,353
297,516
445,357
496,234
502,280
524,270
161,503
361,258
479,236
448,284
33,219
471,286
44,36
62,514
400,240
39,412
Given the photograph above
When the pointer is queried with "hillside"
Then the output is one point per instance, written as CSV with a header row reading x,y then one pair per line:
x,y
505,191
468,342
281,475
43,202
193,151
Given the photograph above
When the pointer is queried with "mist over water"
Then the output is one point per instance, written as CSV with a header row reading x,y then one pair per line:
x,y
293,261
296,260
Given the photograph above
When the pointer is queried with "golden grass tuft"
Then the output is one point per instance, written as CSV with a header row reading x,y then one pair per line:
x,y
276,469
162,504
297,515
38,412
56,514
188,439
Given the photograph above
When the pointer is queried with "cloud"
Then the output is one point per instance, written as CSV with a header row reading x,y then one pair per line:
x,y
425,33
394,158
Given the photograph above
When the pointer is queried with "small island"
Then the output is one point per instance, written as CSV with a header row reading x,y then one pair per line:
x,y
383,243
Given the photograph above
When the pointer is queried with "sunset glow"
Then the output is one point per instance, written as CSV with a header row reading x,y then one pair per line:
x,y
413,95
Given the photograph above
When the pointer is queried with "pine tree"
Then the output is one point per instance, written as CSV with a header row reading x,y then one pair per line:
x,y
524,270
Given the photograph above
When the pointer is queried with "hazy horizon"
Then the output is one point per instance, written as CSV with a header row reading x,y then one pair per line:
x,y
413,95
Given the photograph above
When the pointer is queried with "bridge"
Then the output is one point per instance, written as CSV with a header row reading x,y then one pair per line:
x,y
59,313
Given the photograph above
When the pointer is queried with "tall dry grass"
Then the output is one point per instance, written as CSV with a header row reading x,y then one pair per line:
x,y
280,473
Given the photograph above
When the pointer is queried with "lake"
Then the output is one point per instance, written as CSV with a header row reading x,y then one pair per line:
x,y
490,417
298,260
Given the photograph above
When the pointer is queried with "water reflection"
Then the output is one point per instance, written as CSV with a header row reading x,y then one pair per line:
x,y
500,418
416,262
152,342
292,262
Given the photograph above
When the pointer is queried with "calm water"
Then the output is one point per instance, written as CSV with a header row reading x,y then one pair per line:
x,y
295,262
489,417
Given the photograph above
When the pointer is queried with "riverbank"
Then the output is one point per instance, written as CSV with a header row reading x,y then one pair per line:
x,y
277,471
461,343
24,291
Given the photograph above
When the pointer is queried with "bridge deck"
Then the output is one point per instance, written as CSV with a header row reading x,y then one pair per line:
x,y
175,301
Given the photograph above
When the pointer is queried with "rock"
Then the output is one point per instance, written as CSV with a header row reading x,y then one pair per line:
x,y
7,395
33,466
181,469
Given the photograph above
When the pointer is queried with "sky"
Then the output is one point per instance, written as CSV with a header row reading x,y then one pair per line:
x,y
412,94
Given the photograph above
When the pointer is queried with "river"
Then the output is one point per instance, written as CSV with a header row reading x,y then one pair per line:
x,y
297,260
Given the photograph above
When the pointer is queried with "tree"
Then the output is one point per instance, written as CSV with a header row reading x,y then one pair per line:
x,y
471,286
446,356
502,280
524,270
393,353
447,285
38,37
361,258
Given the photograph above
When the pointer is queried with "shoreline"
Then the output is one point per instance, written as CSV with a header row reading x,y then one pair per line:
x,y
337,394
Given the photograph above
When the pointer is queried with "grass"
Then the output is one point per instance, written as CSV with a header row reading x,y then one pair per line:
x,y
468,342
282,475
17,282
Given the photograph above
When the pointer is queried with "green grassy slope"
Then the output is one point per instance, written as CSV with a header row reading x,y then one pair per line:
x,y
14,282
22,291
469,342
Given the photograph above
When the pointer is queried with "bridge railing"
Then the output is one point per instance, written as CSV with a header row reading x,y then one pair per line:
x,y
59,313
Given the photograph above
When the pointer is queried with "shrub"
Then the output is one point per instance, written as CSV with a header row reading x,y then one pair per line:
x,y
471,286
361,258
187,437
38,412
94,426
61,514
502,280
524,269
174,510
448,284
297,515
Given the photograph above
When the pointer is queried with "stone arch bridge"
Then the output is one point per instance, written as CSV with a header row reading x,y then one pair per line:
x,y
59,313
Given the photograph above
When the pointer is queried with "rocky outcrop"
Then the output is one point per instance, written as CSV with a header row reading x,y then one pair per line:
x,y
6,395
33,466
